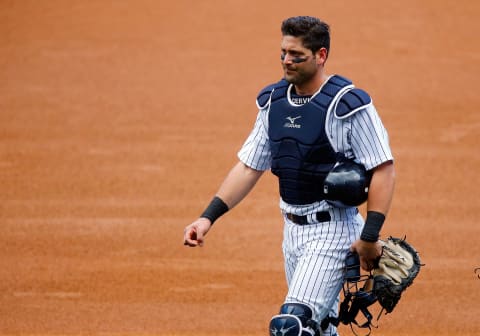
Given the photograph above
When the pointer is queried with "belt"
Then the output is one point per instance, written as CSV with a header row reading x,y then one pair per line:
x,y
322,216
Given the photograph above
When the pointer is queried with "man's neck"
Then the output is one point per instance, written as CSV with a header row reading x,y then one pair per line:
x,y
312,86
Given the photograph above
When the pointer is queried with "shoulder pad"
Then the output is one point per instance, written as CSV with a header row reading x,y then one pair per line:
x,y
264,96
352,101
340,80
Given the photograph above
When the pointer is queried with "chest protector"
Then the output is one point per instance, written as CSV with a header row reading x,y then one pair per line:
x,y
302,155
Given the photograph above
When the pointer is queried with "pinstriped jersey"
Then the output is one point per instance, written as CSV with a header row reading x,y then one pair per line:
x,y
360,136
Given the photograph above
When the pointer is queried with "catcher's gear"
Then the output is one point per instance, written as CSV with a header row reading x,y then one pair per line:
x,y
295,319
358,296
397,267
347,184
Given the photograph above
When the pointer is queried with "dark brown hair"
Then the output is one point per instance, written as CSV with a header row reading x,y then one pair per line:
x,y
315,34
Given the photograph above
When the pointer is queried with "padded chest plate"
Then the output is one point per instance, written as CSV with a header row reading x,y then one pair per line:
x,y
302,155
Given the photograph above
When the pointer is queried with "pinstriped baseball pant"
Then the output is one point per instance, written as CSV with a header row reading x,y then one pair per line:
x,y
314,262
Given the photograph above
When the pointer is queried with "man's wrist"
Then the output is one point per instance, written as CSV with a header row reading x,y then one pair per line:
x,y
215,209
372,227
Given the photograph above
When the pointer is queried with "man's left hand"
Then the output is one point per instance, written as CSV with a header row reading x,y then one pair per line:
x,y
368,252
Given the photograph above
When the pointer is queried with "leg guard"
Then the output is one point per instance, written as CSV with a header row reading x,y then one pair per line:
x,y
295,319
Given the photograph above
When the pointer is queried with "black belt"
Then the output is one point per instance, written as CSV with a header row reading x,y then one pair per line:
x,y
322,216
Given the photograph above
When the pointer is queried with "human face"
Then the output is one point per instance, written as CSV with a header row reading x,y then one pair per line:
x,y
299,63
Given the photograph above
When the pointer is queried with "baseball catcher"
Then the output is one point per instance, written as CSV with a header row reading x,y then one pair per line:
x,y
396,269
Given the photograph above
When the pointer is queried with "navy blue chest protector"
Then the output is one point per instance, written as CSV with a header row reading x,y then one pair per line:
x,y
302,155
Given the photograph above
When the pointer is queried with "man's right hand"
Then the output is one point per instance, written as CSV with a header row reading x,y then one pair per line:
x,y
194,234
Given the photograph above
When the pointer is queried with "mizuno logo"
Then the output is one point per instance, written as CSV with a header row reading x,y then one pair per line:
x,y
292,120
291,123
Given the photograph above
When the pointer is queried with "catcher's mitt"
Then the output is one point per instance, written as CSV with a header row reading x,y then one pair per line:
x,y
397,268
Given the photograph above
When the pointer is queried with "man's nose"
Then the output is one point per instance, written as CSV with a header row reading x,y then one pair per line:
x,y
286,59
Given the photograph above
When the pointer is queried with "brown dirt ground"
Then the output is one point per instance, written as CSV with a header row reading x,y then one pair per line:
x,y
119,119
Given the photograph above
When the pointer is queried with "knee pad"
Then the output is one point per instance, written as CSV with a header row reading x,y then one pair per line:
x,y
294,319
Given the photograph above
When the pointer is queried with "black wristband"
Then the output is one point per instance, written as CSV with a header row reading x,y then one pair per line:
x,y
373,225
215,209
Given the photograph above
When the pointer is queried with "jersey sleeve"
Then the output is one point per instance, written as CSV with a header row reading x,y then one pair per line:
x,y
369,138
255,152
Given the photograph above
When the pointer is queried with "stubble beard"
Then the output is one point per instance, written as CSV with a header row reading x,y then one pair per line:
x,y
298,78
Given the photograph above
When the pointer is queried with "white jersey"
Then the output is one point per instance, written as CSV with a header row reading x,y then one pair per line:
x,y
361,136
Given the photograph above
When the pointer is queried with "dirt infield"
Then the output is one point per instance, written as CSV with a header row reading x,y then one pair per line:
x,y
119,119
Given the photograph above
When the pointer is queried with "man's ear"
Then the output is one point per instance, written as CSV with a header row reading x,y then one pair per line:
x,y
321,56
